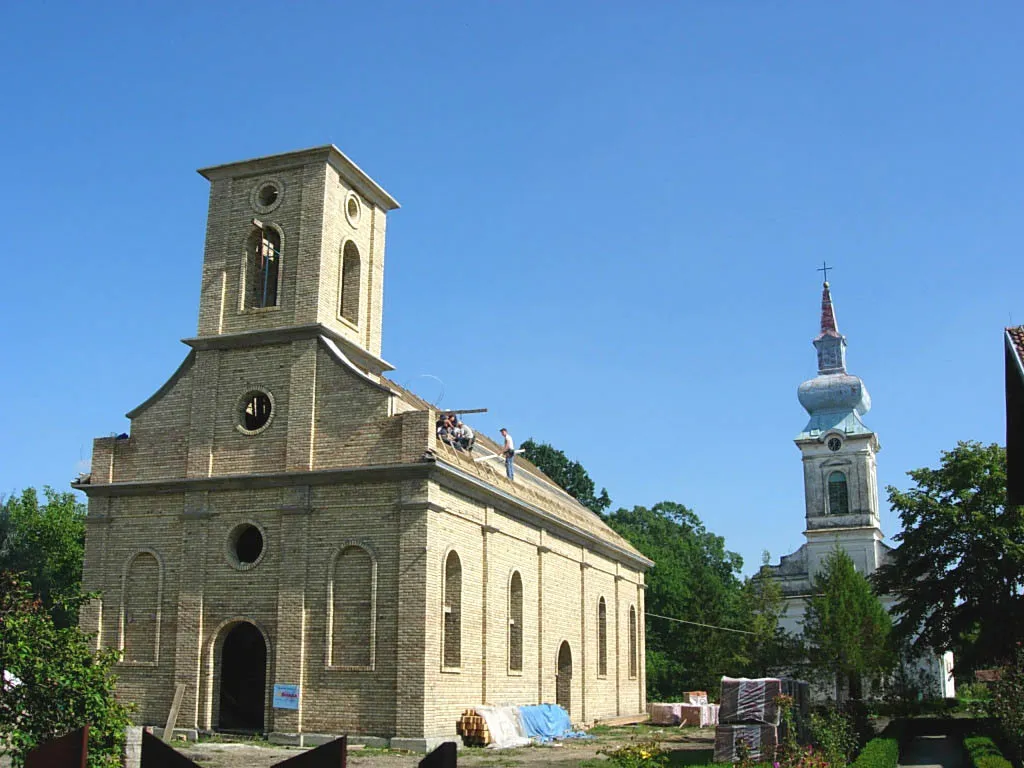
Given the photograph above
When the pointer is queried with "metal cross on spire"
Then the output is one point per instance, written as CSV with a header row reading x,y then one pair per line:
x,y
825,268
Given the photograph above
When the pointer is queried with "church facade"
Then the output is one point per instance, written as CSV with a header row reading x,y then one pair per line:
x,y
283,537
840,490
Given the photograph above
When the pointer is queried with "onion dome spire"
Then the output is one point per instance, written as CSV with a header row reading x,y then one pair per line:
x,y
834,399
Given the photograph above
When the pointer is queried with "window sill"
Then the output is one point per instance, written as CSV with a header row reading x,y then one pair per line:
x,y
348,323
603,677
130,663
515,673
451,670
260,310
347,668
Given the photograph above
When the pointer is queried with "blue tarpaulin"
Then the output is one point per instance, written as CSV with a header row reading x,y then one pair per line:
x,y
544,722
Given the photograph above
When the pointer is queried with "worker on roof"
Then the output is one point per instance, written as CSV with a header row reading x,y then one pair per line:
x,y
509,452
464,437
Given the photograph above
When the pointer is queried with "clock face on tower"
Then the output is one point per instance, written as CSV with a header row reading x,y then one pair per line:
x,y
834,443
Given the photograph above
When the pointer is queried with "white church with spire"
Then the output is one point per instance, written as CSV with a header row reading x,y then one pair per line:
x,y
840,486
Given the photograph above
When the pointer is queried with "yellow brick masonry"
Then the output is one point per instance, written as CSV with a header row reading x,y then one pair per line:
x,y
348,463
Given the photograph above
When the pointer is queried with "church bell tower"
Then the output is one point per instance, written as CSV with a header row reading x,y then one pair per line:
x,y
840,481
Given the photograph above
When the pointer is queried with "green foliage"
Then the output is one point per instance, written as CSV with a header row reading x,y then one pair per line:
x,y
569,475
770,648
882,752
637,755
958,573
1007,705
694,578
845,626
832,732
983,753
45,544
64,684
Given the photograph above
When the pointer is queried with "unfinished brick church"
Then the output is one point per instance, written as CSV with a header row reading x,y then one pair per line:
x,y
283,534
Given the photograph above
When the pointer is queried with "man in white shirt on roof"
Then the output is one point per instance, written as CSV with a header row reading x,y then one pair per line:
x,y
509,452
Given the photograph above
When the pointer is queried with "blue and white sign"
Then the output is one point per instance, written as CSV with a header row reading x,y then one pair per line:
x,y
286,696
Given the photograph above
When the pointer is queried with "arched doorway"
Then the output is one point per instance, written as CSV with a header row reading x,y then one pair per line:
x,y
563,679
243,679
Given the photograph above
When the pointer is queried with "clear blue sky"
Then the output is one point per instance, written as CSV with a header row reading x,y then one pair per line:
x,y
610,227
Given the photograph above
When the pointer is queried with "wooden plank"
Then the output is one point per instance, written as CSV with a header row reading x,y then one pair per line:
x,y
172,716
625,720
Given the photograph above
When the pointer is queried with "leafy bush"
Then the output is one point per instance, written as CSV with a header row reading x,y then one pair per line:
x,y
62,684
833,733
1007,705
983,753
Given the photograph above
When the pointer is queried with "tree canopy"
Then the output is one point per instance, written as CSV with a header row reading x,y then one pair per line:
x,y
696,579
570,475
45,543
846,627
958,573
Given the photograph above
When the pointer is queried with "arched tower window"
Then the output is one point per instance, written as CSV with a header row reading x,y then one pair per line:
x,y
632,641
452,607
140,617
602,638
515,623
262,267
348,301
352,635
838,497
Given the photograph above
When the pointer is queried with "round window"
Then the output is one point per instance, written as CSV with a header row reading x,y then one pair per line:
x,y
353,209
245,546
255,410
267,195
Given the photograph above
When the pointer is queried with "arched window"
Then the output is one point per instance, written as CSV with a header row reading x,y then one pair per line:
x,y
348,301
515,623
140,618
352,635
263,265
838,497
632,641
452,607
602,638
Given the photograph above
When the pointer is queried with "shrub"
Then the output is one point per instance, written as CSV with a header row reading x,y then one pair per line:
x,y
63,684
983,753
880,752
1007,705
832,732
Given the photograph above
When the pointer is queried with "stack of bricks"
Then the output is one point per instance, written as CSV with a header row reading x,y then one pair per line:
x,y
473,729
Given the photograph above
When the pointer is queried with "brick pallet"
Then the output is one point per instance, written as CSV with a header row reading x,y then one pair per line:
x,y
473,729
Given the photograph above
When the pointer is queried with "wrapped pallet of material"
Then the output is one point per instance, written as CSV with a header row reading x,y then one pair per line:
x,y
665,714
755,742
746,700
700,715
696,697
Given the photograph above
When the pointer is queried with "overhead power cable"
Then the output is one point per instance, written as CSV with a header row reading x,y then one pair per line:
x,y
698,624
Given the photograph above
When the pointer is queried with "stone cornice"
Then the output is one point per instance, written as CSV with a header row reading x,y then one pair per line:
x,y
290,333
327,153
264,480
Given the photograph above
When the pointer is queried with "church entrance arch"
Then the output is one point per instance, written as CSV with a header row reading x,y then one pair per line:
x,y
563,678
242,678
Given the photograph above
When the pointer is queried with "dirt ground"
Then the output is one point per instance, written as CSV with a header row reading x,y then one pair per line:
x,y
688,746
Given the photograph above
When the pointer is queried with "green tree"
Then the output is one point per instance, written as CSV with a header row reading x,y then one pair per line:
x,y
958,573
846,628
568,474
695,579
769,648
45,543
61,684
